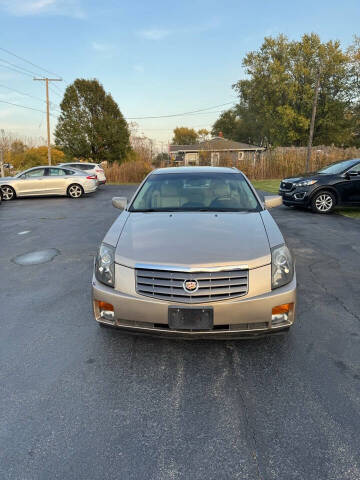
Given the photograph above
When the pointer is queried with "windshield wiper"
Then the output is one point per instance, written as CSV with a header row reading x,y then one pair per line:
x,y
223,210
146,210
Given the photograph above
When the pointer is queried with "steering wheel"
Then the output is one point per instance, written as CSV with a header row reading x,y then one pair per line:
x,y
219,199
193,205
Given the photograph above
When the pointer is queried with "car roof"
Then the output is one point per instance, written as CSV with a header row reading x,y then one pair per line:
x,y
52,166
47,166
195,170
76,163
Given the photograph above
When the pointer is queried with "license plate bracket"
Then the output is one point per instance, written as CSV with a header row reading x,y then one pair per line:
x,y
191,318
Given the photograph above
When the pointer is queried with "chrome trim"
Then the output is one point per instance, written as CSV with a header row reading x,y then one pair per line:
x,y
226,333
149,266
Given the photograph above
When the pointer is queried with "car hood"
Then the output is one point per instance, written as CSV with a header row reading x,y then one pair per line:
x,y
312,176
197,239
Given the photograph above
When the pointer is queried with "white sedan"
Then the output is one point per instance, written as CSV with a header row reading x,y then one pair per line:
x,y
48,181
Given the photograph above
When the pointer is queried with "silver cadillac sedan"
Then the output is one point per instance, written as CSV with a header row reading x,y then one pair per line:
x,y
48,181
194,254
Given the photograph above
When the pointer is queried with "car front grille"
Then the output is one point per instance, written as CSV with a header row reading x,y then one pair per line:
x,y
212,286
286,185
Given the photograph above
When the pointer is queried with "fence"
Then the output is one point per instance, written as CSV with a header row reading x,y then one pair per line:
x,y
290,161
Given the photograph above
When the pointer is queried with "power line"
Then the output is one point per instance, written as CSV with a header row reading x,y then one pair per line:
x,y
23,106
170,129
28,95
58,89
56,93
28,61
179,114
19,67
15,70
21,93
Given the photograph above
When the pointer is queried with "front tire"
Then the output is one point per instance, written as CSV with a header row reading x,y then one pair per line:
x,y
8,193
323,202
75,191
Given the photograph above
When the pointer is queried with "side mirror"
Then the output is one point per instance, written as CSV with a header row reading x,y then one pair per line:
x,y
272,201
119,202
352,173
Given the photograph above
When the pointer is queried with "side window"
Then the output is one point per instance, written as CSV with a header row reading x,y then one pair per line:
x,y
356,168
56,172
70,172
39,172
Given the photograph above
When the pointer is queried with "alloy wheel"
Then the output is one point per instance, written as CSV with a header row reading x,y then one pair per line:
x,y
324,202
75,191
7,193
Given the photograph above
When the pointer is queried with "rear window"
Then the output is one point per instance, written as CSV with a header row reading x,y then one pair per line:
x,y
57,171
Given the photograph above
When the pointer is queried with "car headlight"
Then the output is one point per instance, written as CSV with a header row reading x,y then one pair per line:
x,y
282,266
306,183
105,265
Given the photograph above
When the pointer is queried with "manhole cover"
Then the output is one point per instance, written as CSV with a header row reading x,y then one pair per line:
x,y
35,258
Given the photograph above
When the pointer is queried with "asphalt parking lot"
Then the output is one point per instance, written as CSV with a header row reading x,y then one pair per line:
x,y
81,402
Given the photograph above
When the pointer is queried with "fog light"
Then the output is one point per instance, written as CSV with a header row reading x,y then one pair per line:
x,y
300,196
280,313
106,311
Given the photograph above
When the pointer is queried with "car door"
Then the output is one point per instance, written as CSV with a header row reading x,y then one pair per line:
x,y
57,180
32,182
350,186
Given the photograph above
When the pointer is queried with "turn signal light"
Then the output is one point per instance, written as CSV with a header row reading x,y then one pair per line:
x,y
106,306
281,309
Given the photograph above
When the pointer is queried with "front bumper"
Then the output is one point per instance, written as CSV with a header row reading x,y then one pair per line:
x,y
297,196
242,317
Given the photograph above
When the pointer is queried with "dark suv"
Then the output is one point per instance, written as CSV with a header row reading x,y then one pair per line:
x,y
337,184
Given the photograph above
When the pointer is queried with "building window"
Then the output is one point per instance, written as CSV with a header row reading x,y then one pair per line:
x,y
215,158
192,159
240,155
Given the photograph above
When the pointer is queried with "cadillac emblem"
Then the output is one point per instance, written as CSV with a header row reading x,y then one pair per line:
x,y
190,286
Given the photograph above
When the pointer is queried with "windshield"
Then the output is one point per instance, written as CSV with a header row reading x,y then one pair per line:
x,y
337,168
195,192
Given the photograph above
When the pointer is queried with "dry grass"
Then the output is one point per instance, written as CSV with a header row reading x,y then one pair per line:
x,y
127,172
288,162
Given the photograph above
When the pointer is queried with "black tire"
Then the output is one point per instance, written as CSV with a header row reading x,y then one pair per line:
x,y
8,193
323,202
75,191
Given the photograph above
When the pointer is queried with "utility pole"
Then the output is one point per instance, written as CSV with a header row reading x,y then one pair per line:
x,y
312,123
47,80
2,163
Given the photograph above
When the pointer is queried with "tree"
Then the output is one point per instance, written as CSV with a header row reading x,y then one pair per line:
x,y
203,134
275,101
38,156
18,147
161,159
184,136
91,125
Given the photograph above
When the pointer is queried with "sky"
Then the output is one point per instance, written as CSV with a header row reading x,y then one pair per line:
x,y
158,57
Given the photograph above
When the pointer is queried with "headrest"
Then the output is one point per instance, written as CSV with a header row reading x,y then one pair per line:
x,y
168,189
221,189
